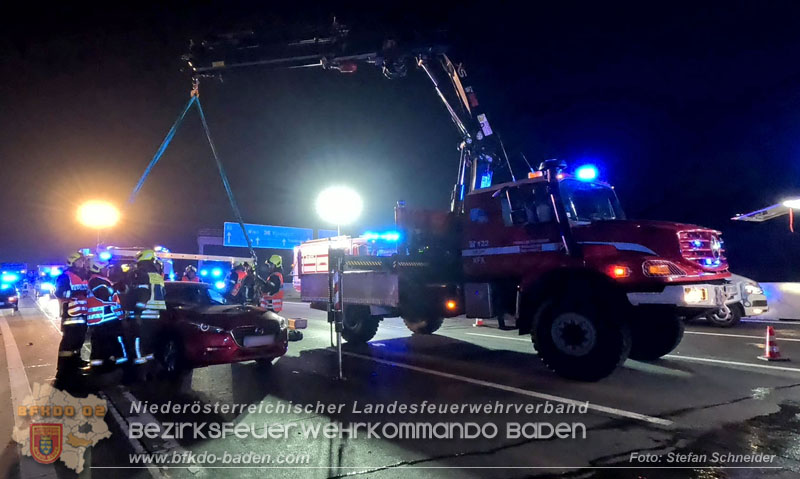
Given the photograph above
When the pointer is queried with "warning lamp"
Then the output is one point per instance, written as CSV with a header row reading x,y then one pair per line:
x,y
619,271
586,173
535,174
450,305
658,269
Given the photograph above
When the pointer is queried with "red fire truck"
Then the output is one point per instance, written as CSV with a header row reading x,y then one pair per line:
x,y
555,251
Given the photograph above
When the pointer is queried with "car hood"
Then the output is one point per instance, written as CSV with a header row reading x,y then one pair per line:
x,y
229,316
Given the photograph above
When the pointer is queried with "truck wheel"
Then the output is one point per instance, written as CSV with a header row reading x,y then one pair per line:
x,y
359,326
423,325
655,335
577,334
727,316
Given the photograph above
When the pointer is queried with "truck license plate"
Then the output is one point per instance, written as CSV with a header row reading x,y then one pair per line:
x,y
256,341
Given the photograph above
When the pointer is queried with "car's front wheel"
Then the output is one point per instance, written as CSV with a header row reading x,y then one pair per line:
x,y
171,357
727,316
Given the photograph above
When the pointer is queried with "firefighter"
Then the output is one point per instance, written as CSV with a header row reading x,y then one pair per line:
x,y
235,282
274,281
104,318
72,290
272,287
144,305
190,275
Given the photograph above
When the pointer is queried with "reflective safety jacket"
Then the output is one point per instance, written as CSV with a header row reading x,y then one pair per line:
x,y
273,302
103,302
148,289
72,292
239,278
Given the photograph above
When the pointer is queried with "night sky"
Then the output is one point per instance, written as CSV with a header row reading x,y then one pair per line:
x,y
691,110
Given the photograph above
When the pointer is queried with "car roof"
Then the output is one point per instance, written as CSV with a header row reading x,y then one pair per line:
x,y
185,284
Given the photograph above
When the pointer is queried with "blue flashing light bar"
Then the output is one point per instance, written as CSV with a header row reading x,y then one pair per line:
x,y
587,173
216,272
104,255
220,285
390,236
10,277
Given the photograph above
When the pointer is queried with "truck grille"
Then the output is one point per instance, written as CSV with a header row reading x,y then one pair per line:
x,y
760,303
703,247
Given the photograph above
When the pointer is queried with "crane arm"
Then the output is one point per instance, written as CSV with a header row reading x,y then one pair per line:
x,y
339,49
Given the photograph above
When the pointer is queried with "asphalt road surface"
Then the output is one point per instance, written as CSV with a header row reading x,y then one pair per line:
x,y
682,416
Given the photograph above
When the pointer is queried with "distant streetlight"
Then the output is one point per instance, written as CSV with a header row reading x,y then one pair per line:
x,y
98,215
339,205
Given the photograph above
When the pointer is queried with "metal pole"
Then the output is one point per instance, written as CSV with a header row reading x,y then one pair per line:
x,y
340,323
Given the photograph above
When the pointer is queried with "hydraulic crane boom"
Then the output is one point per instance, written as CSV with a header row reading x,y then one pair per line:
x,y
339,49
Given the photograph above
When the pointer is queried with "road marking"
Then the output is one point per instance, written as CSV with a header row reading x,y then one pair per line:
x,y
524,392
737,336
154,471
499,337
20,389
732,363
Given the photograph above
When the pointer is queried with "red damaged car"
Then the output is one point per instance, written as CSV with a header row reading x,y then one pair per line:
x,y
199,329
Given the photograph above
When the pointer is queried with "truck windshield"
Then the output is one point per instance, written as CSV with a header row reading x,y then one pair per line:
x,y
590,201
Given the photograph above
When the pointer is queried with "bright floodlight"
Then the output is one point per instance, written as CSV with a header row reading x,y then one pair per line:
x,y
339,205
98,214
793,203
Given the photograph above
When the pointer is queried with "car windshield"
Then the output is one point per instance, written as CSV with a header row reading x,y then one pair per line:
x,y
585,201
193,294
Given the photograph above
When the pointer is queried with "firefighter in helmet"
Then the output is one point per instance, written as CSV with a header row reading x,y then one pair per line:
x,y
190,275
72,291
235,283
104,318
271,288
144,305
274,281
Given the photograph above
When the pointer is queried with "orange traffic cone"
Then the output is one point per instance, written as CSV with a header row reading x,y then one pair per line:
x,y
771,351
478,322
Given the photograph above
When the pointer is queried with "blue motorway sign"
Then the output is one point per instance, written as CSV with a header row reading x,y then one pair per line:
x,y
265,236
326,233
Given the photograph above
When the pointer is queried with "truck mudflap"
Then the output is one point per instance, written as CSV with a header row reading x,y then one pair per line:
x,y
701,296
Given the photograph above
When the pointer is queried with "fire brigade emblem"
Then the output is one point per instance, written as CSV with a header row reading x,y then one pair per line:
x,y
46,442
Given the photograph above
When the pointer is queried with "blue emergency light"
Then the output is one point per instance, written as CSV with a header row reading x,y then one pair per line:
x,y
104,255
216,272
10,278
220,285
586,173
204,272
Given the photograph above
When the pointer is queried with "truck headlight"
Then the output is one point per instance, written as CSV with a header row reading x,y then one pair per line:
x,y
695,294
753,289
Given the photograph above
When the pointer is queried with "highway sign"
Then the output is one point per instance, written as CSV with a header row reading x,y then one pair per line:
x,y
326,234
265,236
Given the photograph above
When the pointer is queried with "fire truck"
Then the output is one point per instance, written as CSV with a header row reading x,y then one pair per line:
x,y
554,249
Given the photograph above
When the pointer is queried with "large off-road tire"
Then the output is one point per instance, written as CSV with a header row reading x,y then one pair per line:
x,y
655,334
727,316
422,325
359,326
580,331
